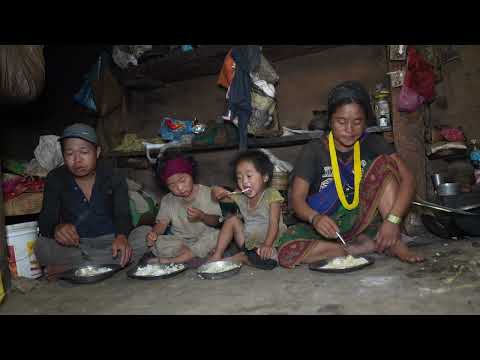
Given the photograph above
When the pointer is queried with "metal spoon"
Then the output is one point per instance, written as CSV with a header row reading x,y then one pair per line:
x,y
238,192
343,242
341,239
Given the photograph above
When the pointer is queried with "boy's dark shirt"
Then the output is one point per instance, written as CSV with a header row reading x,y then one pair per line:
x,y
107,212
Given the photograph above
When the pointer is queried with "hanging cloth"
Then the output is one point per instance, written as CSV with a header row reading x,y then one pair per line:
x,y
246,58
226,73
420,76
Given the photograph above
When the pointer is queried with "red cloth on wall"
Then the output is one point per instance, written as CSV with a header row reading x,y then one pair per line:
x,y
18,185
420,75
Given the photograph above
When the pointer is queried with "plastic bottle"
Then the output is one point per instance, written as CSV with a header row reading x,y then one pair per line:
x,y
382,107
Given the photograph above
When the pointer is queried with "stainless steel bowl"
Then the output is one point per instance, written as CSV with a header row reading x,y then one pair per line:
x,y
75,275
448,189
437,179
218,269
132,273
199,128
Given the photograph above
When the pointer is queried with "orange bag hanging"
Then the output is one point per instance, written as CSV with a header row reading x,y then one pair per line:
x,y
226,73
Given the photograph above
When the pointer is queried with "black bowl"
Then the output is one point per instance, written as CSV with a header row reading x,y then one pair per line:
x,y
318,266
70,276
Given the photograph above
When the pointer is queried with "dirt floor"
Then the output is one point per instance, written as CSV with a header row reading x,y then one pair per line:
x,y
447,283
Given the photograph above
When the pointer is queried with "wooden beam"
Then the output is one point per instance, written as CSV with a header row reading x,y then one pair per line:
x,y
252,143
277,53
408,133
202,61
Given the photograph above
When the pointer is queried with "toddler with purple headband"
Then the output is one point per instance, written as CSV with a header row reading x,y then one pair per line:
x,y
188,209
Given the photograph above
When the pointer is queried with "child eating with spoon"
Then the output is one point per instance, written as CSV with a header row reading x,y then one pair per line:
x,y
190,211
260,208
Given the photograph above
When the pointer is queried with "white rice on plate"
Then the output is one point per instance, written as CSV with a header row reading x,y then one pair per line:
x,y
218,267
341,263
88,271
158,270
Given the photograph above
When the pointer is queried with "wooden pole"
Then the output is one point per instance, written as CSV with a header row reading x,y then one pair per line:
x,y
408,133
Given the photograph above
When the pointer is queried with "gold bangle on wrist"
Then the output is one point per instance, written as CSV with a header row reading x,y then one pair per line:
x,y
310,219
394,219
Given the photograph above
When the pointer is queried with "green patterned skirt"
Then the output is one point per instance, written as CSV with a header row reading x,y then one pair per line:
x,y
299,239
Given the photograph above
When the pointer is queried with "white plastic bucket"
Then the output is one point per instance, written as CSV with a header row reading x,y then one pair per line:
x,y
21,240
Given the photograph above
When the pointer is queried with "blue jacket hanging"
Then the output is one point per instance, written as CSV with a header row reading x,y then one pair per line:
x,y
246,58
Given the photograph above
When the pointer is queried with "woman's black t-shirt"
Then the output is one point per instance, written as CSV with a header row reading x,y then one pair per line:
x,y
314,166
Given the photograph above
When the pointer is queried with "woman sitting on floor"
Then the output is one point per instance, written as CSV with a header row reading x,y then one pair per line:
x,y
340,181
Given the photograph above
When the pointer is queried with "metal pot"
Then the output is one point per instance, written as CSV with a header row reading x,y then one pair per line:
x,y
437,179
454,224
470,225
448,189
442,224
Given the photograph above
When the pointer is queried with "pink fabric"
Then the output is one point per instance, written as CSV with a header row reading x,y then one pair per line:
x,y
452,134
409,100
176,166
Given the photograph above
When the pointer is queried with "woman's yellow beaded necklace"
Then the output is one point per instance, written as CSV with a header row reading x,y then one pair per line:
x,y
357,172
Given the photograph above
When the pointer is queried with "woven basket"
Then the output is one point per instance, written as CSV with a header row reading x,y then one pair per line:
x,y
24,204
280,181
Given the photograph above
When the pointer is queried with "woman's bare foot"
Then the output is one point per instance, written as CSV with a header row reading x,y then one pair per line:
x,y
322,250
363,245
404,253
164,260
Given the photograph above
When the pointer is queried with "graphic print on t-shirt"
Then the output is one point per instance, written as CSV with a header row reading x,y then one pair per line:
x,y
327,178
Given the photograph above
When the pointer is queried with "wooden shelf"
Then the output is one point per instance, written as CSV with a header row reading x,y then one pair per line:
x,y
206,60
378,129
449,157
252,143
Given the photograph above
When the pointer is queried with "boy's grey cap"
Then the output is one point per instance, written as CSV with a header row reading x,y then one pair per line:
x,y
81,131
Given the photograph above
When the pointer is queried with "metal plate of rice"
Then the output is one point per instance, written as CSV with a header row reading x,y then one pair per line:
x,y
219,269
154,270
90,274
323,265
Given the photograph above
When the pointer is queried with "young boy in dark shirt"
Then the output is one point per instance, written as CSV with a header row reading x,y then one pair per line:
x,y
85,214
